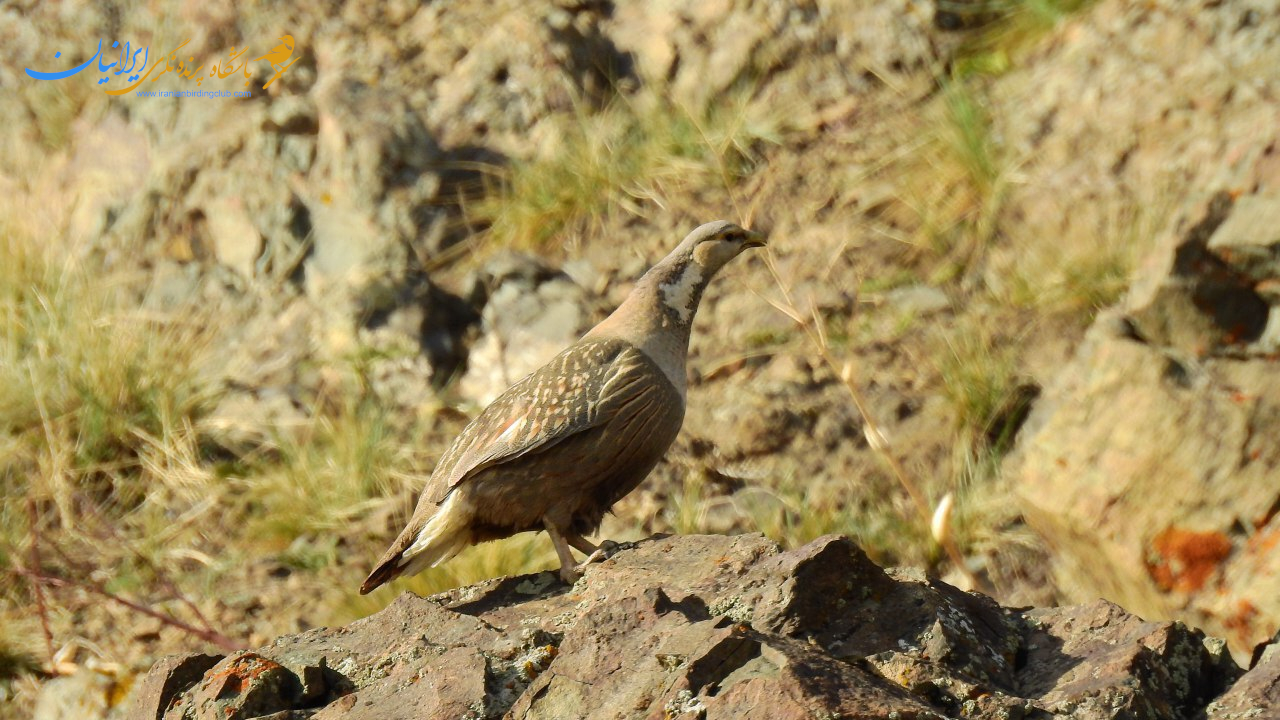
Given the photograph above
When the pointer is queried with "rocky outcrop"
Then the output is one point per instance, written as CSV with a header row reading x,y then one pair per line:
x,y
715,627
1151,464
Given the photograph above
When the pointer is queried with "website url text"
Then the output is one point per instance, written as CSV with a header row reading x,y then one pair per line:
x,y
195,93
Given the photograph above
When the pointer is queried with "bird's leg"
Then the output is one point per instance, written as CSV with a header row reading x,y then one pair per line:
x,y
580,543
568,569
605,550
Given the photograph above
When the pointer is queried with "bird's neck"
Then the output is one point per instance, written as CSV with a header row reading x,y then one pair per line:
x,y
657,316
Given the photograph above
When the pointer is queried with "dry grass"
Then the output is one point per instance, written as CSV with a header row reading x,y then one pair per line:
x,y
98,459
321,477
978,371
956,180
629,159
91,389
1082,269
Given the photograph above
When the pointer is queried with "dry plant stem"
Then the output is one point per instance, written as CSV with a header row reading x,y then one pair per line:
x,y
813,329
209,636
206,632
36,588
161,575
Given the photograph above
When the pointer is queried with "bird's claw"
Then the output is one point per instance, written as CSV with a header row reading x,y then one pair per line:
x,y
570,575
607,549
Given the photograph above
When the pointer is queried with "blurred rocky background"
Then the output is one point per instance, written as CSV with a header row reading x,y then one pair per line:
x,y
1023,281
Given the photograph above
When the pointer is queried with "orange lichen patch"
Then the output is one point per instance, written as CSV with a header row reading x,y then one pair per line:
x,y
1184,560
237,676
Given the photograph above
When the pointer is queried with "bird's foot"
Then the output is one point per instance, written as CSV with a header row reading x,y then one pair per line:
x,y
570,574
607,549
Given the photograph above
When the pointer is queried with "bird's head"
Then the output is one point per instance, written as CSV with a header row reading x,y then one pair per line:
x,y
678,281
714,244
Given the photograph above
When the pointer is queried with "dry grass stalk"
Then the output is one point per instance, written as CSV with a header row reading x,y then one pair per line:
x,y
36,588
812,325
207,634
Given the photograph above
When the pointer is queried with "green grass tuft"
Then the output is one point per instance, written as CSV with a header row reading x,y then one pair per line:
x,y
624,159
336,468
1003,29
979,380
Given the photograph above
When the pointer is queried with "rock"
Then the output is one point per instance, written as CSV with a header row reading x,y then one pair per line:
x,y
373,175
236,242
1100,158
531,312
241,686
174,285
1096,660
1249,239
168,677
790,679
110,158
218,189
662,658
699,50
524,64
1200,302
415,330
1257,693
450,686
726,627
1149,463
259,371
759,427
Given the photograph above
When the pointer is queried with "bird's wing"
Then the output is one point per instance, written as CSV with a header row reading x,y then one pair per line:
x,y
583,387
579,389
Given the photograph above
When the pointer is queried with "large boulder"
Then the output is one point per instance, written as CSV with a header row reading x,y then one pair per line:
x,y
1151,464
712,627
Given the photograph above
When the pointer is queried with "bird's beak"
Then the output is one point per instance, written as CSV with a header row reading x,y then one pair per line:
x,y
754,239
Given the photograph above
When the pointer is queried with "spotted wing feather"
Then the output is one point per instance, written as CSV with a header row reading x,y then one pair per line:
x,y
593,389
567,396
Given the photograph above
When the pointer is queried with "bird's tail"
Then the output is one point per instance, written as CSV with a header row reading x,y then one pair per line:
x,y
444,535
